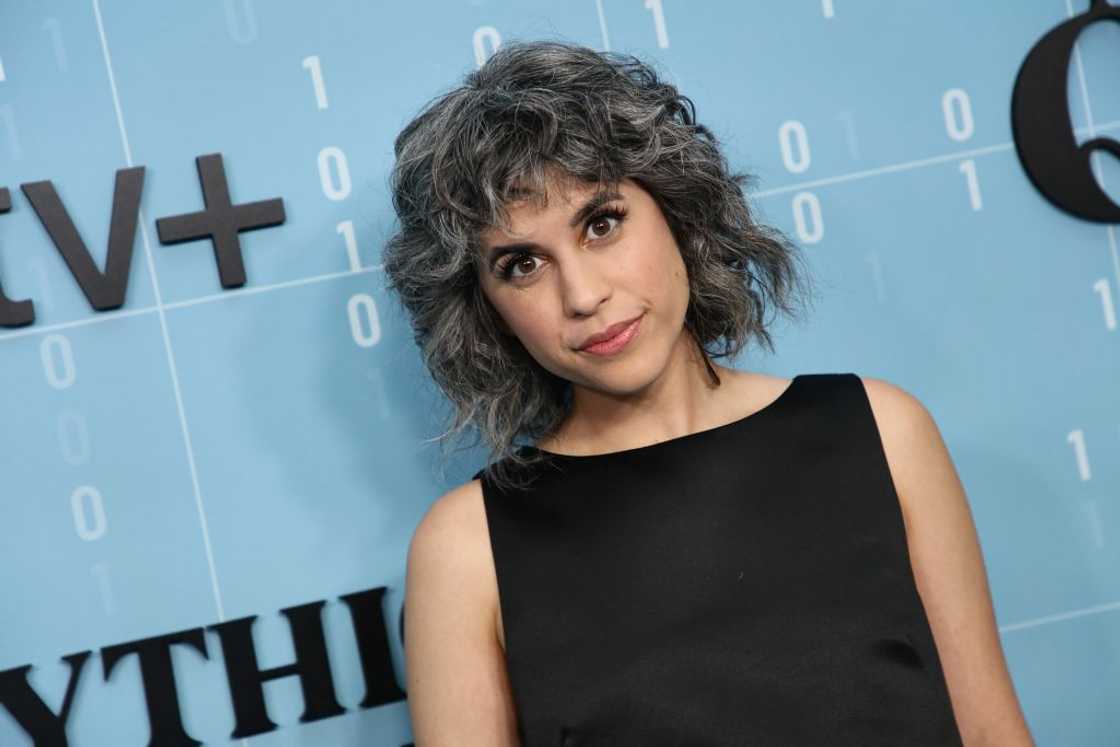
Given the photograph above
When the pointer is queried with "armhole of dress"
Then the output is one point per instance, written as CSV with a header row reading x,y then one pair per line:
x,y
878,462
497,557
927,645
484,489
865,431
875,436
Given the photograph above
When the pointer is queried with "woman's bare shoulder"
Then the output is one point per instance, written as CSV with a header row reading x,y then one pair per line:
x,y
458,685
453,536
453,539
456,513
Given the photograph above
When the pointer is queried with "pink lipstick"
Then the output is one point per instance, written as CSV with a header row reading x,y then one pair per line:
x,y
614,344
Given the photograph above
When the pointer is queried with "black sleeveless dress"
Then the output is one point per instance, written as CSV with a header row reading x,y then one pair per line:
x,y
749,584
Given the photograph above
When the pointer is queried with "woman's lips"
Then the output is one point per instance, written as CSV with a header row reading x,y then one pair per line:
x,y
616,343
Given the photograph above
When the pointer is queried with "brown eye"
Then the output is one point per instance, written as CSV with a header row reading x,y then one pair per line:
x,y
603,223
520,261
600,225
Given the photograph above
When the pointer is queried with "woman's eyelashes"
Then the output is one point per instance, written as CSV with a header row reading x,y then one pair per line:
x,y
615,213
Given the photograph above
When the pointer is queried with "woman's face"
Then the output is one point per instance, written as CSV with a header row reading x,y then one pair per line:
x,y
577,266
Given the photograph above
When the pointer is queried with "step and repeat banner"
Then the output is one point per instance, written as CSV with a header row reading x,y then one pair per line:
x,y
216,429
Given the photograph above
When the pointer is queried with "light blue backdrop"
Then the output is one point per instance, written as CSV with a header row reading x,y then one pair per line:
x,y
200,455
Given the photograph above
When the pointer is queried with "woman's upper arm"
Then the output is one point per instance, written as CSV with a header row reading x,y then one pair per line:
x,y
948,569
458,691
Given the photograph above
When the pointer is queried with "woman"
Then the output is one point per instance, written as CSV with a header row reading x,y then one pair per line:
x,y
684,553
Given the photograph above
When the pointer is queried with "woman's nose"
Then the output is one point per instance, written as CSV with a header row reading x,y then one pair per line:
x,y
583,285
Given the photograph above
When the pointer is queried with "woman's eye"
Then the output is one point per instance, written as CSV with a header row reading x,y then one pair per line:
x,y
518,261
601,226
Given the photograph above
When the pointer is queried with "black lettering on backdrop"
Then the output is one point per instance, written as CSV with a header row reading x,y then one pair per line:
x,y
103,291
158,675
1043,130
245,677
46,727
221,222
377,670
13,313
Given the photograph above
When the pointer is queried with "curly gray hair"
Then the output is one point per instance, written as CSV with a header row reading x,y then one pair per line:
x,y
535,110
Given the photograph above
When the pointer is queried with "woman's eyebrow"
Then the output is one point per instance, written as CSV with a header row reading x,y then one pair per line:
x,y
596,201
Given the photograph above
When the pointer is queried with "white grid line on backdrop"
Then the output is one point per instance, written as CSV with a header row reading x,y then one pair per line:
x,y
161,308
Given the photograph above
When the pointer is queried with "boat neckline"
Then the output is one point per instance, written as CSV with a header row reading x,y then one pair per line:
x,y
676,439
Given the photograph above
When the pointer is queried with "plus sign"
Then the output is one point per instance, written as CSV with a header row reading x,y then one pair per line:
x,y
221,221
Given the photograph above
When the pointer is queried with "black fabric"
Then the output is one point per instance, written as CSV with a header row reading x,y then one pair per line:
x,y
744,585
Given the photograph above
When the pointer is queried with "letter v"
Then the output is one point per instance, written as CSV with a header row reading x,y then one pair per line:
x,y
104,291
